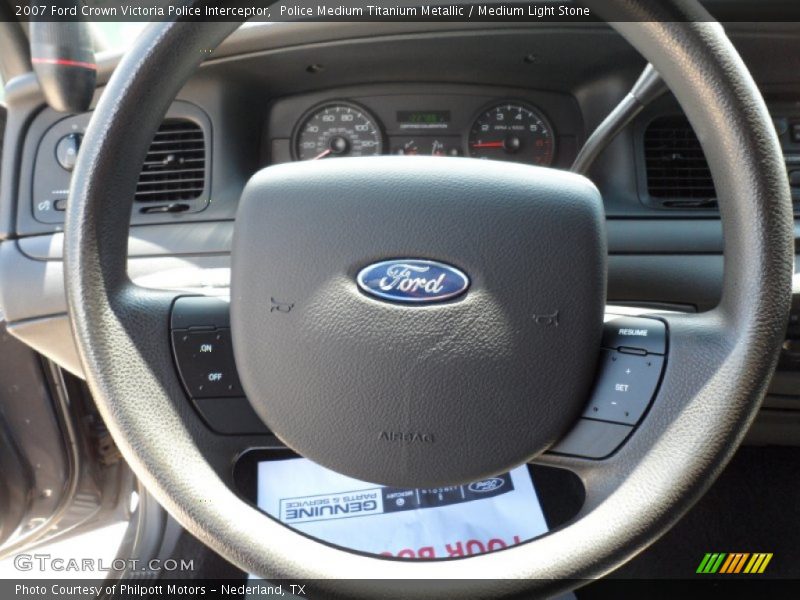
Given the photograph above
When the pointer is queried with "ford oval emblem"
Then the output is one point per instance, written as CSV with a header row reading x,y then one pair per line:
x,y
412,281
487,485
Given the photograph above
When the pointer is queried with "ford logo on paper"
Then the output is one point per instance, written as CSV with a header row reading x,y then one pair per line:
x,y
487,485
412,281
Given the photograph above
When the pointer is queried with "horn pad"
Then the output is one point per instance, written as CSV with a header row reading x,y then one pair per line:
x,y
478,376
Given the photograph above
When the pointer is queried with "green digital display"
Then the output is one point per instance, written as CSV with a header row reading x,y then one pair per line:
x,y
439,119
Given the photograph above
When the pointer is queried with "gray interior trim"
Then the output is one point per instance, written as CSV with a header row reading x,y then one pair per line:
x,y
177,239
625,237
35,288
15,55
51,337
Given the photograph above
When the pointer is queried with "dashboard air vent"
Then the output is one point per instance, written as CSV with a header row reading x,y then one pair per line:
x,y
175,167
677,171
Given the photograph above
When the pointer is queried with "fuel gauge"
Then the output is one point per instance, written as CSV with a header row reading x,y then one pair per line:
x,y
426,146
409,148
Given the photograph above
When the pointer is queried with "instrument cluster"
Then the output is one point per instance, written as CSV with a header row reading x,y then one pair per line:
x,y
507,130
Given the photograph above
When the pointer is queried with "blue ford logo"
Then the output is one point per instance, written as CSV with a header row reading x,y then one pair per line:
x,y
412,281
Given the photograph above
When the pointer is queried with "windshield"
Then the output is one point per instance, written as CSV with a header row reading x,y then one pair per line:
x,y
116,36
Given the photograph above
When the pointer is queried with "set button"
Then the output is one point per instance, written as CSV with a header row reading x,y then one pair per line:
x,y
625,385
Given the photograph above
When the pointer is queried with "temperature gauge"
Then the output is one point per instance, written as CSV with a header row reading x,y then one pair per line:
x,y
426,146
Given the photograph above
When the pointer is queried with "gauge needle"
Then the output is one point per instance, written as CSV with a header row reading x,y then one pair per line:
x,y
322,154
488,145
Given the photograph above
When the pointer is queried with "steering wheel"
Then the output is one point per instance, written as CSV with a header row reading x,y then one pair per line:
x,y
424,394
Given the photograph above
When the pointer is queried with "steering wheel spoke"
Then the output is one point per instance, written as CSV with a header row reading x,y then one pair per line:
x,y
664,437
143,335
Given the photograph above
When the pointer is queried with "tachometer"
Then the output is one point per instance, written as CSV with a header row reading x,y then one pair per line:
x,y
512,131
337,129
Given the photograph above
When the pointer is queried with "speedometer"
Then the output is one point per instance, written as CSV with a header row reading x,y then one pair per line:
x,y
337,129
512,131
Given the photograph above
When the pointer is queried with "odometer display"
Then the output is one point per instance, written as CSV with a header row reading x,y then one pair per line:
x,y
512,131
337,129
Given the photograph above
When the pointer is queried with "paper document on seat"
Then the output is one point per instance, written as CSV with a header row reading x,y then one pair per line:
x,y
440,522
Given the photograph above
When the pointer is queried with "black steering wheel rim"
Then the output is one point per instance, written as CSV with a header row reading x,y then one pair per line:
x,y
719,364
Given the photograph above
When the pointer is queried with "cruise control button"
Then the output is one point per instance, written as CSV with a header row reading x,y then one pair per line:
x,y
635,333
625,386
205,362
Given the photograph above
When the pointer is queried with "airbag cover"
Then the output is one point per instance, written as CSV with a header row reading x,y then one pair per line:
x,y
418,393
